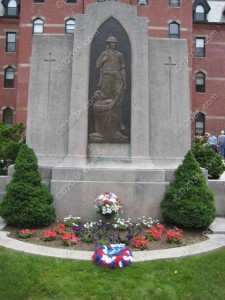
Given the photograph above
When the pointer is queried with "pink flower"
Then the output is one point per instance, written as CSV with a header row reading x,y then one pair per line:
x,y
74,239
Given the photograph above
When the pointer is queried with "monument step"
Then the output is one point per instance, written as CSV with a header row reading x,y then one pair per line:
x,y
116,175
218,226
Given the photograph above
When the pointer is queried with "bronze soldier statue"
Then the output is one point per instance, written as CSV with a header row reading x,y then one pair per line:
x,y
108,110
112,70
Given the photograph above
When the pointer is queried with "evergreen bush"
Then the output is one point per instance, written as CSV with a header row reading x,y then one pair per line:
x,y
11,139
188,202
27,202
208,159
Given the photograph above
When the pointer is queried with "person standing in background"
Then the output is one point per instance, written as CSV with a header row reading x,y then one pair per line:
x,y
221,143
213,141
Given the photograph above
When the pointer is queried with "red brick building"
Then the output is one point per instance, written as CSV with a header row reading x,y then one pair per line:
x,y
201,22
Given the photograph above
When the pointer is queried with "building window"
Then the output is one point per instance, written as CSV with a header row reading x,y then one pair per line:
x,y
8,117
200,47
200,82
199,123
174,30
71,1
142,2
9,77
10,42
38,26
12,8
70,26
174,3
200,13
38,1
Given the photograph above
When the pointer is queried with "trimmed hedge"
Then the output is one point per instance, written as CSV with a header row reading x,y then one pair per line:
x,y
188,202
27,202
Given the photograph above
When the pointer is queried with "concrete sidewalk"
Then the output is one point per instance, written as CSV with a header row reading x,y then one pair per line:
x,y
215,241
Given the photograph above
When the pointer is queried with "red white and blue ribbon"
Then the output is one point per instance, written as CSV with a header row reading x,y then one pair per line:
x,y
113,256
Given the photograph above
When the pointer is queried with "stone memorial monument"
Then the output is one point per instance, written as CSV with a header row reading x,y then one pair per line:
x,y
105,110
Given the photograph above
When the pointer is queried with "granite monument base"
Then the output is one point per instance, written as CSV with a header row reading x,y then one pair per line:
x,y
141,190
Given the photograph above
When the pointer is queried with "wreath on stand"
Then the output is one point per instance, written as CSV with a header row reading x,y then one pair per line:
x,y
113,256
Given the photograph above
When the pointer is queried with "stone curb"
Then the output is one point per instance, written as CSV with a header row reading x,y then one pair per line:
x,y
214,242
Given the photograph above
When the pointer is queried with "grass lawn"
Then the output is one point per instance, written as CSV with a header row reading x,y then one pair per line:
x,y
24,276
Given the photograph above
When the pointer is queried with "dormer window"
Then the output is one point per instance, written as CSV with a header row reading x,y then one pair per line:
x,y
200,13
201,9
11,8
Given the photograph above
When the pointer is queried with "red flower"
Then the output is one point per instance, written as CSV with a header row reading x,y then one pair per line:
x,y
106,202
66,236
26,233
160,226
70,239
155,232
140,242
60,228
49,235
174,236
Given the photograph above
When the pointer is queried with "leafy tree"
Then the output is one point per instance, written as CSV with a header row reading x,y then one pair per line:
x,y
11,139
188,202
27,202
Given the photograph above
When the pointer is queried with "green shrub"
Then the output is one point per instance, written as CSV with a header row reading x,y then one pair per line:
x,y
11,139
188,202
208,159
27,202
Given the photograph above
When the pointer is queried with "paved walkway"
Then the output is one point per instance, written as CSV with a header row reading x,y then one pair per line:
x,y
215,241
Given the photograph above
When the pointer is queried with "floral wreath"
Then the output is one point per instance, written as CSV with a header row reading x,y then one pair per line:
x,y
113,256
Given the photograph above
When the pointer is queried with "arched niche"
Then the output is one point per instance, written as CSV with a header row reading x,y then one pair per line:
x,y
111,27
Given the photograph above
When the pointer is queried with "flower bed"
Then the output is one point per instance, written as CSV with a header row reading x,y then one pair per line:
x,y
91,235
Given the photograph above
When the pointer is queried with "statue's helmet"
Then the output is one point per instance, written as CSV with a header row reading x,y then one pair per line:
x,y
111,39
